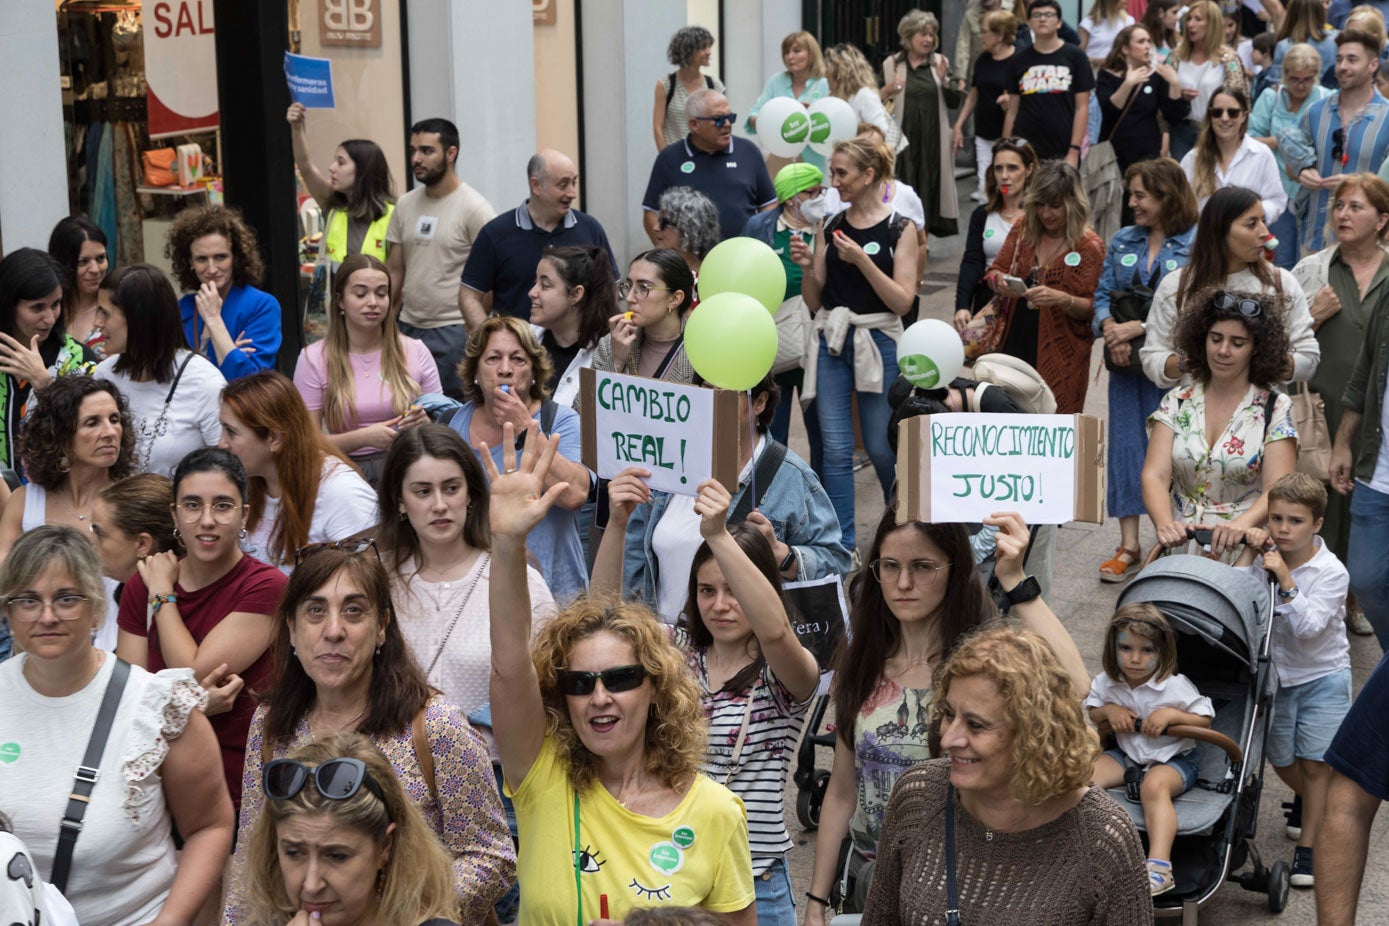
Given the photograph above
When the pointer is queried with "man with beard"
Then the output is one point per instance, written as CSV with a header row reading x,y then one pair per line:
x,y
507,250
430,236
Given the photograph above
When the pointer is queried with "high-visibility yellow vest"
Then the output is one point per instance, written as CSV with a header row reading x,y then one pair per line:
x,y
335,238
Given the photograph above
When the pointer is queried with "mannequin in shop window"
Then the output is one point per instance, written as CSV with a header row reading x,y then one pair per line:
x,y
225,317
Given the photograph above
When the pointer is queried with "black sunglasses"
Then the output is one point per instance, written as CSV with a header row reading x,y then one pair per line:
x,y
1231,112
618,678
719,121
1249,308
336,779
357,545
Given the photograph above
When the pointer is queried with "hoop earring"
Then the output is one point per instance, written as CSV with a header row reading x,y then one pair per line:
x,y
403,516
64,464
178,535
242,534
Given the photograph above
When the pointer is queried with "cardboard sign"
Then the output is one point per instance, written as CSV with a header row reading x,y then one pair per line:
x,y
350,22
682,434
963,467
310,80
180,66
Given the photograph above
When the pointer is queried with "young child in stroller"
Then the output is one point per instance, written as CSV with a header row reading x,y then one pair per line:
x,y
1137,697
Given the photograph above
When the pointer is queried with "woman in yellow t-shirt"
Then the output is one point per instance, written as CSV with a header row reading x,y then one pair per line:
x,y
601,737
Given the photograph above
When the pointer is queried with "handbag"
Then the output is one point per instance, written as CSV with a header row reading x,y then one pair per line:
x,y
984,332
1131,305
1103,180
159,165
792,331
1313,435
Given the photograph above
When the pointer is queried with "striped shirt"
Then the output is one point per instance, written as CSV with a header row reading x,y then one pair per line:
x,y
1310,144
758,773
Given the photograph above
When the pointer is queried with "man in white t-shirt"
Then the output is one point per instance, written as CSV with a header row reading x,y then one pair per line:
x,y
431,234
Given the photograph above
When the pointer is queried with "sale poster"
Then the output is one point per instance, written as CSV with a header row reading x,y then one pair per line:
x,y
180,66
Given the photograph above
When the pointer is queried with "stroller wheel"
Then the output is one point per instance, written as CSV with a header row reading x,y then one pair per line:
x,y
809,799
1279,880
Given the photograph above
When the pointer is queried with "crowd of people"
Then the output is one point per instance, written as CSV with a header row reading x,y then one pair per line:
x,y
372,644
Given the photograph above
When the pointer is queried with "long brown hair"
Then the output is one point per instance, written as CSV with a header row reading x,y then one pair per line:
x,y
395,536
1208,146
876,632
1164,180
267,402
339,399
1209,252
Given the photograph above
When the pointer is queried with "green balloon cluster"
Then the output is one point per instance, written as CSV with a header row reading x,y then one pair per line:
x,y
731,338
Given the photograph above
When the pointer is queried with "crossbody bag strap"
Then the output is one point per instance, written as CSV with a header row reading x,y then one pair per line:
x,y
1132,96
85,778
173,387
669,358
742,736
423,756
952,894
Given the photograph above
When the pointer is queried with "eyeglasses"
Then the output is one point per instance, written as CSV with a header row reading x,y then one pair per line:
x,y
1338,147
356,545
336,779
618,678
1300,81
30,607
719,121
1043,14
1231,112
642,288
190,510
1249,308
888,571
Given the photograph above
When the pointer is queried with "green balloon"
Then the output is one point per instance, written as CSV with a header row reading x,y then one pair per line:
x,y
730,341
744,265
919,371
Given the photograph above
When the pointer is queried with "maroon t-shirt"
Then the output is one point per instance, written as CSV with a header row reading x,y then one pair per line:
x,y
252,587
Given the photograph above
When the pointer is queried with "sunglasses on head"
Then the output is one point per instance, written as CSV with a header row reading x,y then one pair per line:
x,y
358,545
719,121
618,678
1012,144
336,779
1249,308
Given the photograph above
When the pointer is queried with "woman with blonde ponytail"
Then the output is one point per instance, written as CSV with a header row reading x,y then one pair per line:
x,y
361,381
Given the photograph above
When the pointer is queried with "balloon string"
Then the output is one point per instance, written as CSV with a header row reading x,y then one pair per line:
x,y
752,438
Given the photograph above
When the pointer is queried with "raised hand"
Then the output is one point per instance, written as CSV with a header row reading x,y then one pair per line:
x,y
711,504
519,500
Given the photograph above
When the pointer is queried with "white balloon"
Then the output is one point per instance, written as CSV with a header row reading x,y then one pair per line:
x,y
930,354
783,126
831,120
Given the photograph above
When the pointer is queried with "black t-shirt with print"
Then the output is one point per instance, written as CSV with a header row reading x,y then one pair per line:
x,y
1047,85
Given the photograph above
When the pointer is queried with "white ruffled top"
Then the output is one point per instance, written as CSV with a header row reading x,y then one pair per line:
x,y
124,862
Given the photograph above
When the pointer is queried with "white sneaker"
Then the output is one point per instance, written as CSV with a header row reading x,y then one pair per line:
x,y
977,196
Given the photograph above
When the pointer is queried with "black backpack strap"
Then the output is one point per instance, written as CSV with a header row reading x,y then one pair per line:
x,y
1270,402
85,778
762,474
671,78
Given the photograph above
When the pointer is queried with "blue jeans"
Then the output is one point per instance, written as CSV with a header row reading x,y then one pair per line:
x,y
790,383
1365,560
833,405
1286,231
776,905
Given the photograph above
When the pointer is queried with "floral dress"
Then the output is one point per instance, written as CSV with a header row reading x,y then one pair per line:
x,y
1220,482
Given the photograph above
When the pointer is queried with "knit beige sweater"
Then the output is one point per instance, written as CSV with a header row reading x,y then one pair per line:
x,y
1086,866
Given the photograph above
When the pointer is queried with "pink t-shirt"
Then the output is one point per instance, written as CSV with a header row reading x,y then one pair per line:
x,y
372,396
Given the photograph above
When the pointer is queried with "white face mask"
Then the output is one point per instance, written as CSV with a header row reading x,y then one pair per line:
x,y
812,210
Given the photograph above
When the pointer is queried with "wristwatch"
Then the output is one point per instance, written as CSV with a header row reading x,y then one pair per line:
x,y
1027,590
789,561
1289,595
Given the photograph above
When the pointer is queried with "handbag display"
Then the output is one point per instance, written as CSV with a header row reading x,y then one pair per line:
x,y
1131,305
160,165
1313,435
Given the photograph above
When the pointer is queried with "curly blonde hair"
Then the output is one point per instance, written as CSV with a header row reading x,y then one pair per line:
x,y
676,729
1058,752
416,883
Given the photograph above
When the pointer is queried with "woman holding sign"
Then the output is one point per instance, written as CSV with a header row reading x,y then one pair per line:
x,y
756,678
919,597
504,373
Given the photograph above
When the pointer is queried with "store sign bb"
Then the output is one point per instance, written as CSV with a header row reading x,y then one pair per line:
x,y
350,22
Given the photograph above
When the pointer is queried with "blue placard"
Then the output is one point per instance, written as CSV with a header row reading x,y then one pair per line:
x,y
310,80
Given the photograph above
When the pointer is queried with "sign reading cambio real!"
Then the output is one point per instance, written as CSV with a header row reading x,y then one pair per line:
x,y
681,434
180,66
964,467
350,22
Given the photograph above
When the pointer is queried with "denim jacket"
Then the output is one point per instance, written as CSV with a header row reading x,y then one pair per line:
x,y
1116,275
762,226
795,503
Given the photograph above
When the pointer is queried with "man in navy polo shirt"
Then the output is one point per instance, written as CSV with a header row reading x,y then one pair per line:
x,y
501,267
728,170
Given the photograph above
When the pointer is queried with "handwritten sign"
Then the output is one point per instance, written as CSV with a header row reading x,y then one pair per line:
x,y
682,434
310,80
963,467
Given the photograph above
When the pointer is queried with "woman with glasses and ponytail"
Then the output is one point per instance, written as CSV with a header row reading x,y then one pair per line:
x,y
342,844
211,609
343,666
602,737
645,339
1216,444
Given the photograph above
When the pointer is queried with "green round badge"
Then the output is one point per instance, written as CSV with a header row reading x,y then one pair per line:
x,y
9,753
683,836
872,248
795,129
1072,260
687,167
666,857
1128,260
919,370
988,232
819,127
1171,265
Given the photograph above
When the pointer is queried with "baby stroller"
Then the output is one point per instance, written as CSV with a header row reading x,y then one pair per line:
x,y
1222,619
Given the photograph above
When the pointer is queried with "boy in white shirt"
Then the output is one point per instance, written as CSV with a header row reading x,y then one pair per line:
x,y
1309,650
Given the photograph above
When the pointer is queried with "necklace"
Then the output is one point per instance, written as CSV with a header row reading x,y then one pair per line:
x,y
1009,827
75,513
